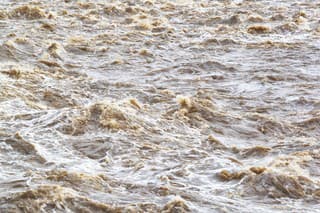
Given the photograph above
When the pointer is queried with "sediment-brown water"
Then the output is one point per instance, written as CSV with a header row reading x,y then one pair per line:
x,y
159,106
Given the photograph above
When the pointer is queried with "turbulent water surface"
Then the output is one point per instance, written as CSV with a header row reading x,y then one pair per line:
x,y
159,106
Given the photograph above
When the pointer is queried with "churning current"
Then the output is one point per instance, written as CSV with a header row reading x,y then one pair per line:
x,y
159,106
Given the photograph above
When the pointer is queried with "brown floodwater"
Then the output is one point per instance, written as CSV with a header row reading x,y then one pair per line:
x,y
159,106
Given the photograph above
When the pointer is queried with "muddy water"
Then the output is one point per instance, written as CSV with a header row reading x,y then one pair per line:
x,y
159,106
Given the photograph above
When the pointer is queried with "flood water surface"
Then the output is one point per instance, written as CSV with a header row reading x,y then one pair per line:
x,y
159,106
